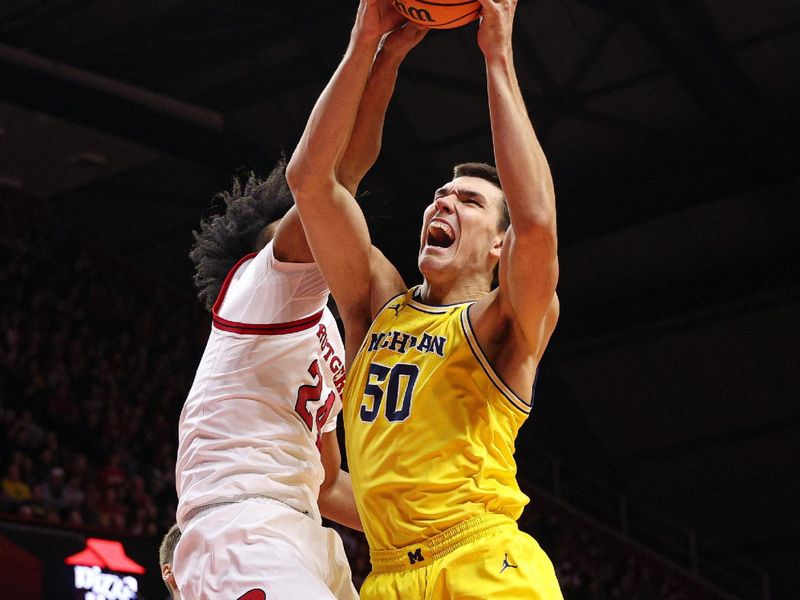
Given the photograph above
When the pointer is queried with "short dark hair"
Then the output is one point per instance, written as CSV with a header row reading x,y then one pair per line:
x,y
489,173
167,548
224,239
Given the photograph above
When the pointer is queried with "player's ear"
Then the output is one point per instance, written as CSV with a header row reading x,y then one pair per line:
x,y
497,244
169,580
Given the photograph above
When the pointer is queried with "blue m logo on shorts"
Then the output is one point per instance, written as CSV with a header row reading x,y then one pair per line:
x,y
416,556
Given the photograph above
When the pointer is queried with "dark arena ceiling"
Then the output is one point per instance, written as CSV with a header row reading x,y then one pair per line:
x,y
672,129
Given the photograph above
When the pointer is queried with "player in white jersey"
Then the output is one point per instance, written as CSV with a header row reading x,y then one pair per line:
x,y
258,458
251,481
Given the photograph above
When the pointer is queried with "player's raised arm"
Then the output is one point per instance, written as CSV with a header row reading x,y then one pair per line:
x,y
528,264
365,142
334,223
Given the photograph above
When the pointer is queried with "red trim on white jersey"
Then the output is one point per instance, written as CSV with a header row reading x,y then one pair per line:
x,y
253,328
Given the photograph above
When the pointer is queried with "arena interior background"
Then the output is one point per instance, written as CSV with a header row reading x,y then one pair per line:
x,y
672,130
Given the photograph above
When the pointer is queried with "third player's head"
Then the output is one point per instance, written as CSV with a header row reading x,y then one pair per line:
x,y
463,230
166,552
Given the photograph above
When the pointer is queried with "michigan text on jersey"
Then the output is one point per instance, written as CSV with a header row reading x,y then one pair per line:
x,y
400,342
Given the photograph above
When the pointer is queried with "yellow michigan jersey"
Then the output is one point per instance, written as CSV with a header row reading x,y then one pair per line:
x,y
430,427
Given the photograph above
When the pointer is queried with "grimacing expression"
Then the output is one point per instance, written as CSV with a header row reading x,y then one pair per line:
x,y
461,227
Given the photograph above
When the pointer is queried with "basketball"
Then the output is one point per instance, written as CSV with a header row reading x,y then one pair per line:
x,y
439,14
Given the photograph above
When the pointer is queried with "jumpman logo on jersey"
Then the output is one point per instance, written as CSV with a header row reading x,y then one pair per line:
x,y
397,308
507,565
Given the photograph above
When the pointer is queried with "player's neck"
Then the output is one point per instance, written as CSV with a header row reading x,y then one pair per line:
x,y
451,293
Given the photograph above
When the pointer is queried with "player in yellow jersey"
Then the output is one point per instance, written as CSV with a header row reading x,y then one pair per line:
x,y
441,375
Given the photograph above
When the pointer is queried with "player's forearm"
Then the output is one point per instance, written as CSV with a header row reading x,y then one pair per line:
x,y
337,503
328,210
364,145
314,162
529,266
519,157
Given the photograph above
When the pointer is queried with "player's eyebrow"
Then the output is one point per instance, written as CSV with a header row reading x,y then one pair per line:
x,y
458,191
441,191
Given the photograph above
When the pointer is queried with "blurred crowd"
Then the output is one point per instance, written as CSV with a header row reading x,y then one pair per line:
x,y
95,362
590,565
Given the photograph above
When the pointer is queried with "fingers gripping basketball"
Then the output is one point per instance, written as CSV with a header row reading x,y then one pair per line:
x,y
439,14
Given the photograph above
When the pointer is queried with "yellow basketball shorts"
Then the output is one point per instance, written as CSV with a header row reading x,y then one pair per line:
x,y
484,557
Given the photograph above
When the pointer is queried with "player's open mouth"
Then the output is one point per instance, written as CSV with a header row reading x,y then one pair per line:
x,y
440,234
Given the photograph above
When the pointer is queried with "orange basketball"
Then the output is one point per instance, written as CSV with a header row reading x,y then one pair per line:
x,y
439,14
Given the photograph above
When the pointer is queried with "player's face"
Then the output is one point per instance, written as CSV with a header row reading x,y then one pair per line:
x,y
460,230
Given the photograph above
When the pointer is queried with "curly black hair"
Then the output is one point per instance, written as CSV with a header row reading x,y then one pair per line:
x,y
223,239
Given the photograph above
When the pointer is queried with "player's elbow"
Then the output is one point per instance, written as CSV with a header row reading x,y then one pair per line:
x,y
296,175
350,178
324,494
327,493
537,228
305,181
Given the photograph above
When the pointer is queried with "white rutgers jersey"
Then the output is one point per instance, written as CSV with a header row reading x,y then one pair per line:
x,y
268,385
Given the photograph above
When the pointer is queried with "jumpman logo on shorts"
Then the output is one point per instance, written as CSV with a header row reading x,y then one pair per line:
x,y
507,565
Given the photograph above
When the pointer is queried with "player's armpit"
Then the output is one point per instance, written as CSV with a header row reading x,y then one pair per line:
x,y
385,282
290,244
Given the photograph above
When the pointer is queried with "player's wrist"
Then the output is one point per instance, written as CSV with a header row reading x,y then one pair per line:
x,y
399,42
498,57
365,38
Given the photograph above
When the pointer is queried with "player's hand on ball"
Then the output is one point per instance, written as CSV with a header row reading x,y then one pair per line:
x,y
400,41
496,25
377,17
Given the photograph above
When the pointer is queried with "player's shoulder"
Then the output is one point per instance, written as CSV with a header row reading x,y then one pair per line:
x,y
268,260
